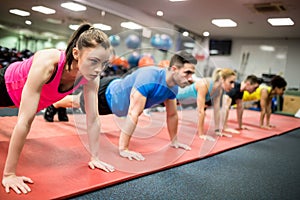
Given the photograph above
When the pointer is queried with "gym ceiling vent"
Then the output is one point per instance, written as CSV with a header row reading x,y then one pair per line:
x,y
267,7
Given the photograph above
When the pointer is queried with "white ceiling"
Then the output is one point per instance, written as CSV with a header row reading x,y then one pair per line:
x,y
193,15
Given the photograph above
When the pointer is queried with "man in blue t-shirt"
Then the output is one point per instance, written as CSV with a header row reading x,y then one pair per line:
x,y
144,88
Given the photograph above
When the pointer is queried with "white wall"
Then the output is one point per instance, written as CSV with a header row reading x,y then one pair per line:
x,y
292,62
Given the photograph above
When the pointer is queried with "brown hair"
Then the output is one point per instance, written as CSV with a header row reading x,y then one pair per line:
x,y
253,79
182,57
85,36
278,81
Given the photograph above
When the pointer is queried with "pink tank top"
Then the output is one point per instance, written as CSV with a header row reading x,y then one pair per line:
x,y
16,76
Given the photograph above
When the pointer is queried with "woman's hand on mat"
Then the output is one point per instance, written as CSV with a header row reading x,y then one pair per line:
x,y
17,183
131,155
222,134
231,130
180,145
96,163
207,137
267,126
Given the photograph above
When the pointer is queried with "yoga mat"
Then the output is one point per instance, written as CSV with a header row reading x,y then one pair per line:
x,y
55,155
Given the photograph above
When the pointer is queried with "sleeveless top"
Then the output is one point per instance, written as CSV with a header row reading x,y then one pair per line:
x,y
190,92
16,76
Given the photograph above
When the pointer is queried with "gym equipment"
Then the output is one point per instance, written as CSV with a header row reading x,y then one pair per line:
x,y
133,59
132,41
115,40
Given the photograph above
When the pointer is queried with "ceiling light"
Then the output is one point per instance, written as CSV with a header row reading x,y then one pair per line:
x,y
131,25
185,33
102,27
224,23
160,13
19,12
281,21
43,9
28,22
73,6
205,33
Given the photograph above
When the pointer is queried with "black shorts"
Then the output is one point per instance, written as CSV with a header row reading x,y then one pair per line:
x,y
5,100
103,107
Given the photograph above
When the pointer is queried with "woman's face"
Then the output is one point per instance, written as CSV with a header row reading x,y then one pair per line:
x,y
92,61
228,83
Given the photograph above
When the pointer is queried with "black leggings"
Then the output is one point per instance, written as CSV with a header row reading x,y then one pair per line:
x,y
5,100
103,107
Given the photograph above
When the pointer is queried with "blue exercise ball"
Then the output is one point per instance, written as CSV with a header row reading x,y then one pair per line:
x,y
155,41
133,59
132,41
114,40
166,42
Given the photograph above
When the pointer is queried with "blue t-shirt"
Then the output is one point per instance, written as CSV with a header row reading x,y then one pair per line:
x,y
149,81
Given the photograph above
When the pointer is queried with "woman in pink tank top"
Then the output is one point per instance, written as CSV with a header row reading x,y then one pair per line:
x,y
48,76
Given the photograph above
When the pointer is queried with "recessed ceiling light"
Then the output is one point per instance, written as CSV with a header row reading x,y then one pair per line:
x,y
185,33
281,21
131,25
160,13
73,6
43,9
28,22
224,22
19,12
205,33
102,27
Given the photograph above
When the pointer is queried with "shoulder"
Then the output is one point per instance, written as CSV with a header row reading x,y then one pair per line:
x,y
47,52
202,83
151,69
48,56
150,73
46,60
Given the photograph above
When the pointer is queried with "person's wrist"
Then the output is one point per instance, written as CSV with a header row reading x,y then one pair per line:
x,y
8,174
123,149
